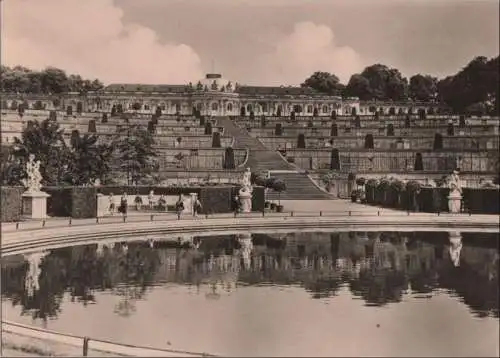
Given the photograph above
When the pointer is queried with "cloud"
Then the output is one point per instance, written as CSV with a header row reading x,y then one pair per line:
x,y
307,49
88,37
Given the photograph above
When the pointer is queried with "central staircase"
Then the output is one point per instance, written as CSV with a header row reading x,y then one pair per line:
x,y
260,159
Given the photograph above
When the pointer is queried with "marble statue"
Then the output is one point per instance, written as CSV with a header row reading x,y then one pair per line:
x,y
455,196
246,180
33,182
245,193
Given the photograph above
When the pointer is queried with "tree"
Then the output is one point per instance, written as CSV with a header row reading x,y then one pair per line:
x,y
324,82
423,87
134,150
378,82
475,83
88,160
49,81
358,86
44,140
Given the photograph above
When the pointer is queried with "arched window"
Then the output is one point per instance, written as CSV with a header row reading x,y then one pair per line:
x,y
324,109
249,107
230,107
146,107
163,107
309,108
199,106
215,106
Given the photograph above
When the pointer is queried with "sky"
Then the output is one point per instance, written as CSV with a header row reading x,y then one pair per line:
x,y
254,42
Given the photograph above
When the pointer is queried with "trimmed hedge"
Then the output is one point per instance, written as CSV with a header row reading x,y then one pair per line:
x,y
482,200
11,203
60,201
431,200
84,202
216,199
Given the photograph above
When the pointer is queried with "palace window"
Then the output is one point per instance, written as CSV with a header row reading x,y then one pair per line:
x,y
163,107
215,106
280,107
249,107
230,107
146,107
199,106
309,109
264,107
325,109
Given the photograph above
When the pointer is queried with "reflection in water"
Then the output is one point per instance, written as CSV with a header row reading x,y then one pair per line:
x,y
379,268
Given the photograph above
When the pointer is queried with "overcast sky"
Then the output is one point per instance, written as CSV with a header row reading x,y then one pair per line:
x,y
249,41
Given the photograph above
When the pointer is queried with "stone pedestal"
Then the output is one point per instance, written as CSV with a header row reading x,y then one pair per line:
x,y
454,201
246,201
35,204
188,206
102,205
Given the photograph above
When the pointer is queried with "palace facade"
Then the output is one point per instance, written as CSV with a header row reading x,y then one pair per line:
x,y
215,96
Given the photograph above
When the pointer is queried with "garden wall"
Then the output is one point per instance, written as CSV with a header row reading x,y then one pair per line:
x,y
395,160
461,143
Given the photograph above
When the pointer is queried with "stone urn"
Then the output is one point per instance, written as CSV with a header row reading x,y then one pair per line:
x,y
246,200
454,201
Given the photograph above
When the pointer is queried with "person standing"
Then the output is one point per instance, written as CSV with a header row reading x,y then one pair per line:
x,y
197,207
111,202
179,206
151,198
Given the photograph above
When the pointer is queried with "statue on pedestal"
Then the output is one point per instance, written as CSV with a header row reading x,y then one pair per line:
x,y
245,193
455,196
34,200
33,182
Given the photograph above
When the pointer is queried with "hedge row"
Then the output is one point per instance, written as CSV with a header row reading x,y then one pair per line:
x,y
11,203
431,200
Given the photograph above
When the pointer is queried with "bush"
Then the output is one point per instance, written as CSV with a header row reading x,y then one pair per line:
x,y
278,131
216,140
335,159
301,141
334,131
11,203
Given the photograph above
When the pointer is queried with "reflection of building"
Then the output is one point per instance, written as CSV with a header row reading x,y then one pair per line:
x,y
214,95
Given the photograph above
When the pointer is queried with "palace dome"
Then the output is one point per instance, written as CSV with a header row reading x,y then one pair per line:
x,y
215,82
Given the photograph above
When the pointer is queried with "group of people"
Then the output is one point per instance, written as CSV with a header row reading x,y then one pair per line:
x,y
162,204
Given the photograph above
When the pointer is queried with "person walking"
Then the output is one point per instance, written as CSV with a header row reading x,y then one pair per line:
x,y
123,204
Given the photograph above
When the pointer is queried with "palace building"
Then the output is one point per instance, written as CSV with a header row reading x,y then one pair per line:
x,y
216,96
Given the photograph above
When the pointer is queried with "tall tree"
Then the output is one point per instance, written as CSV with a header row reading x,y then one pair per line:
x,y
88,160
324,82
44,140
135,150
476,83
378,82
423,87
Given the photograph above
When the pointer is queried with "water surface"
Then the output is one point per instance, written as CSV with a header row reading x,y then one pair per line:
x,y
321,294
